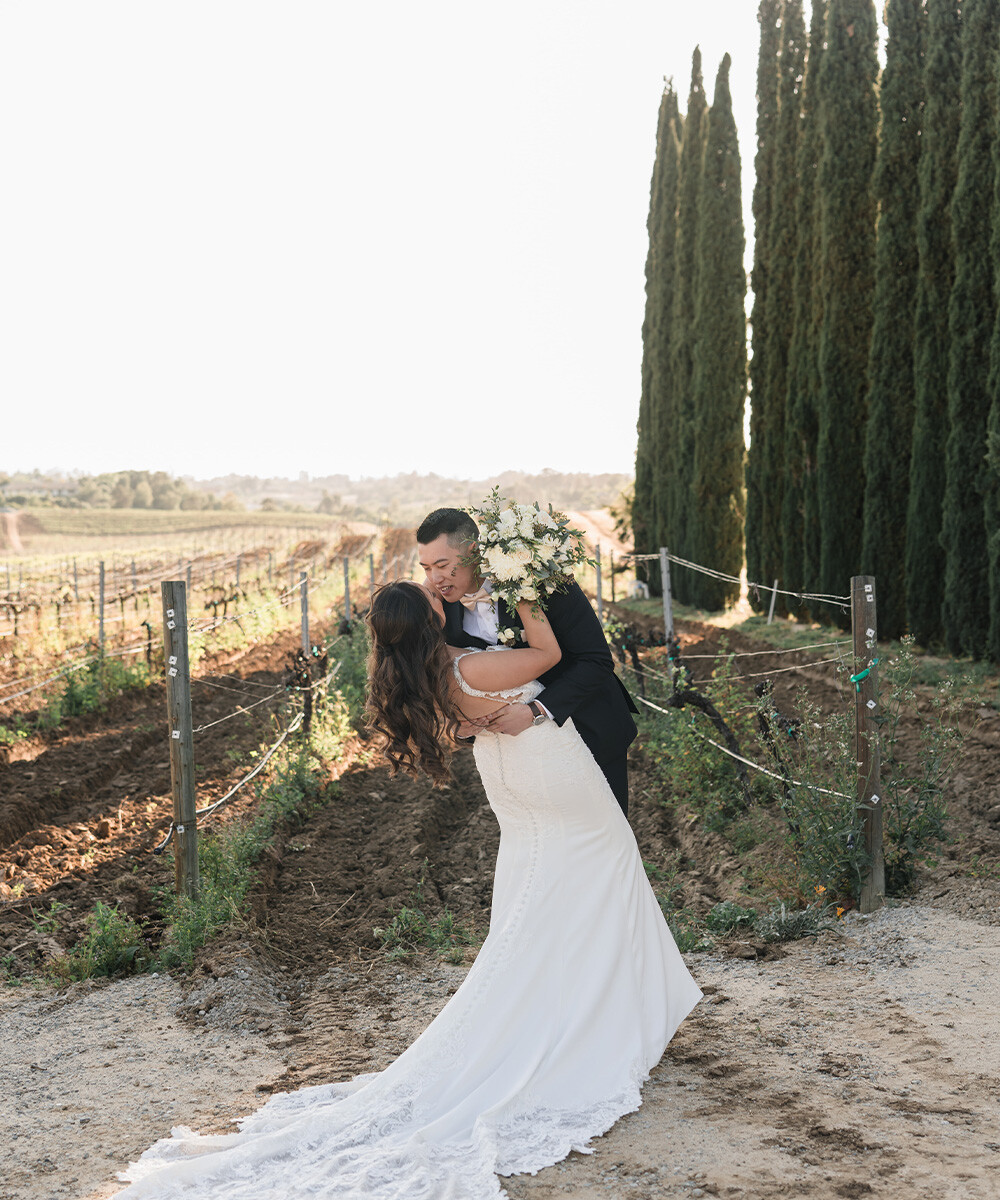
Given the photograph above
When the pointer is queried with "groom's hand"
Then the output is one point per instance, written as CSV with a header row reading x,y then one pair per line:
x,y
469,729
512,720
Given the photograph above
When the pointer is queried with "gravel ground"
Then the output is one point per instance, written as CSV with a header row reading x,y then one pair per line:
x,y
862,1062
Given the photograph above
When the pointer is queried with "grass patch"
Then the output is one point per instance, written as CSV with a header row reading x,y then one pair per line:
x,y
226,861
411,929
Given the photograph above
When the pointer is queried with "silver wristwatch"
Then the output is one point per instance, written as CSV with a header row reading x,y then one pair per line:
x,y
540,715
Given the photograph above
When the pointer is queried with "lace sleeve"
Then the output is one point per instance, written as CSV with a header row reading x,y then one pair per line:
x,y
525,692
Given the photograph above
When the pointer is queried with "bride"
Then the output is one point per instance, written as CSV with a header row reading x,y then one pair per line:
x,y
571,1001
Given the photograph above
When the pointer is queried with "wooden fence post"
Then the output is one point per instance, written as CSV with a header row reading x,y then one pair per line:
x,y
774,596
611,572
76,582
347,589
668,609
371,569
866,743
600,598
100,603
304,608
175,651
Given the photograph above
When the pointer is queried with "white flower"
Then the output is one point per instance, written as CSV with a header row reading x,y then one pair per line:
x,y
507,524
504,566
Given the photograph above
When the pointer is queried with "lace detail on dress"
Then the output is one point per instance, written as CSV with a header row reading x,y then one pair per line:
x,y
524,693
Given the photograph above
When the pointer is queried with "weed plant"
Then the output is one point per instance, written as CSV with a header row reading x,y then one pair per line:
x,y
411,929
115,944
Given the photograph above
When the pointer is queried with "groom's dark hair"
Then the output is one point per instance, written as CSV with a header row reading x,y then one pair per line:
x,y
458,525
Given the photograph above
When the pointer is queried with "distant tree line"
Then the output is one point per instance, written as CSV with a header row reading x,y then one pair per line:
x,y
115,489
875,368
399,499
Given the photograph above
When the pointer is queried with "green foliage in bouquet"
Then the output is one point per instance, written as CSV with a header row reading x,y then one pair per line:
x,y
527,552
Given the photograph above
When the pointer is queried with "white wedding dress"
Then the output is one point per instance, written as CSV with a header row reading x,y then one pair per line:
x,y
571,1001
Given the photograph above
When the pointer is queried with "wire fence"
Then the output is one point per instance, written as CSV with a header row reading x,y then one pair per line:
x,y
841,602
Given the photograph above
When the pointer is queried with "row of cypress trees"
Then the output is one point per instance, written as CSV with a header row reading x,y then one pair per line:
x,y
875,368
894,376
689,458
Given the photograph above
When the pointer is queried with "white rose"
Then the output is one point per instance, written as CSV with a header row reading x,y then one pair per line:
x,y
507,524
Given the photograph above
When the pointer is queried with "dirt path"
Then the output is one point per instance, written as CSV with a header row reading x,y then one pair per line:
x,y
862,1062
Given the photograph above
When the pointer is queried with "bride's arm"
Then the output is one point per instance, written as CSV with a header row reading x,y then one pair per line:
x,y
497,672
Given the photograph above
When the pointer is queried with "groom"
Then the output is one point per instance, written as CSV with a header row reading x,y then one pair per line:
x,y
583,685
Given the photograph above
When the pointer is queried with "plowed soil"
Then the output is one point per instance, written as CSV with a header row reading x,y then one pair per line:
x,y
860,1062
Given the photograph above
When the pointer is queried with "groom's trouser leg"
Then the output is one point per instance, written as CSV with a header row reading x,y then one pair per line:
x,y
616,773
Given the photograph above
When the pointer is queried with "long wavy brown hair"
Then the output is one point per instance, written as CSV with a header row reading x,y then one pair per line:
x,y
409,706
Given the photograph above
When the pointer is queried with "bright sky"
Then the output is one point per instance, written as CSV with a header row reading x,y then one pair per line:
x,y
335,236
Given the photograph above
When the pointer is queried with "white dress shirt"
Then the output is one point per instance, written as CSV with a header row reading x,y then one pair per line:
x,y
482,621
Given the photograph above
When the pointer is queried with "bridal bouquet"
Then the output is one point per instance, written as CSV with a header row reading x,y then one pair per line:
x,y
527,552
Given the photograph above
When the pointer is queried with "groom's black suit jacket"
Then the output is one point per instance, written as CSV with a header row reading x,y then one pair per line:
x,y
583,684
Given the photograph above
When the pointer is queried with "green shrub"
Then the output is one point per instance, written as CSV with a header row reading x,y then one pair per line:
x,y
728,916
114,945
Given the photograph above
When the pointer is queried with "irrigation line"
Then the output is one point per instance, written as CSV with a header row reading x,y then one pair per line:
x,y
204,812
224,687
243,709
746,761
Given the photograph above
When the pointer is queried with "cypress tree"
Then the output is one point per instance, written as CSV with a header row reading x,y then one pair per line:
x,y
666,455
779,311
935,277
800,558
848,121
719,384
965,613
890,367
682,353
769,19
991,465
644,496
